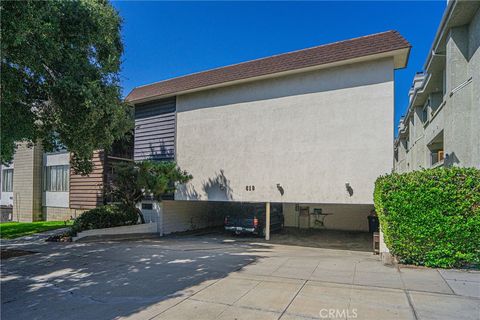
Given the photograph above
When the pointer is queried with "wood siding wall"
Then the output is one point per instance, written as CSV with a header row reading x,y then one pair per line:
x,y
87,192
155,130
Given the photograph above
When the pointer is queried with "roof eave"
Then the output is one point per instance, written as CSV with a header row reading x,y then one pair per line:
x,y
400,60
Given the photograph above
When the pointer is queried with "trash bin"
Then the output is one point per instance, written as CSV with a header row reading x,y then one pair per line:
x,y
372,223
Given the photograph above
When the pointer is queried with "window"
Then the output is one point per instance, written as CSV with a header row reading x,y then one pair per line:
x,y
7,180
436,100
425,112
147,206
437,153
56,178
437,156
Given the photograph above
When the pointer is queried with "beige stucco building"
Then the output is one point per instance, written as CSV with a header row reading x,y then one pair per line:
x,y
310,129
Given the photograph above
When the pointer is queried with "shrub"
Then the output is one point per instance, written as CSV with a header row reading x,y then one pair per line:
x,y
104,217
431,217
131,182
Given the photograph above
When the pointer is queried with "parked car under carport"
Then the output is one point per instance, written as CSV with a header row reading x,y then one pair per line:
x,y
250,218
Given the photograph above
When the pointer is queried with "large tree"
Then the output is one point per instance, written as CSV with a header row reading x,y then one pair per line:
x,y
60,63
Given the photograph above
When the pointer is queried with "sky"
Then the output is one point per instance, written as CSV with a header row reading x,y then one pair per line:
x,y
168,39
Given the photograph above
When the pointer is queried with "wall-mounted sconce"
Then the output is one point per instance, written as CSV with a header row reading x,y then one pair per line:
x,y
280,189
349,188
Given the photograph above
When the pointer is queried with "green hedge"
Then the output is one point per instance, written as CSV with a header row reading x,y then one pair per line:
x,y
107,216
431,217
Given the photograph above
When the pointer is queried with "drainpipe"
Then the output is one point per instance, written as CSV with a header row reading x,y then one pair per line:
x,y
267,221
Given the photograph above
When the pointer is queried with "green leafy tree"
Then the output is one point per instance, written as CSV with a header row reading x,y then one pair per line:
x,y
60,63
132,182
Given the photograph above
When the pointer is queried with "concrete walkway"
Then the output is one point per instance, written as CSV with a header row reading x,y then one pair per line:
x,y
216,278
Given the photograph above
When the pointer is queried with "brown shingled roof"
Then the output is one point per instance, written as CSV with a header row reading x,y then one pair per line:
x,y
315,56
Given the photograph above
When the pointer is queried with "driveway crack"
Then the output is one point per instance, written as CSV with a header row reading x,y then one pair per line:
x,y
291,301
407,293
446,282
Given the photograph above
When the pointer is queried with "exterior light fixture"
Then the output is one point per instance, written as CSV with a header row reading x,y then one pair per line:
x,y
280,189
349,188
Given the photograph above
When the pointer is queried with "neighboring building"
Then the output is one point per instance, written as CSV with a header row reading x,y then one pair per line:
x,y
6,192
311,129
42,186
442,123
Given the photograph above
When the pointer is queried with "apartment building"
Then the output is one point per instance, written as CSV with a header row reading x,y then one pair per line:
x,y
40,185
442,123
310,129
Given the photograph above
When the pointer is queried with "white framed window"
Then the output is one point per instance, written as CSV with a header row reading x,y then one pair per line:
x,y
56,178
7,180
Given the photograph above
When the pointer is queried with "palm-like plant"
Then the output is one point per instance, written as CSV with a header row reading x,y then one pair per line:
x,y
132,182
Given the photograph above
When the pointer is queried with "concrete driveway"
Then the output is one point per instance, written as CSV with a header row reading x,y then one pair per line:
x,y
211,277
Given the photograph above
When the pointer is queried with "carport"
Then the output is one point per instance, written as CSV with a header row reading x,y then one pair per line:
x,y
321,225
325,225
339,226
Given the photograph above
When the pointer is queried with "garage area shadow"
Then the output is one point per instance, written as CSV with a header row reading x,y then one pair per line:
x,y
314,238
110,280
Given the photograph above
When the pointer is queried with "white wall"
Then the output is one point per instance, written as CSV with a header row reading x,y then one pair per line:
x,y
58,199
310,132
352,217
132,230
56,159
6,198
178,216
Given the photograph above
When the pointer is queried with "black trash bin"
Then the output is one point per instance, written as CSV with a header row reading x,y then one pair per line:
x,y
372,224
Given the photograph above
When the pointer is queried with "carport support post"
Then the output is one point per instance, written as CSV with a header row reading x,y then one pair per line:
x,y
267,221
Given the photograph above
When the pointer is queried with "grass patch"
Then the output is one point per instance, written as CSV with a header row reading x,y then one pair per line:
x,y
11,230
